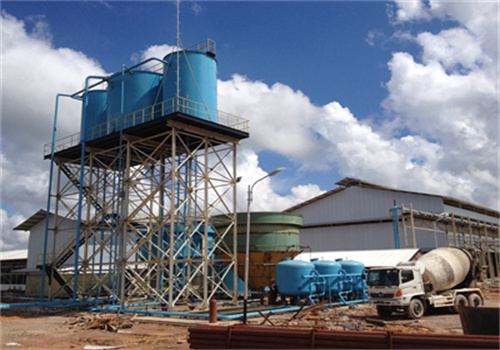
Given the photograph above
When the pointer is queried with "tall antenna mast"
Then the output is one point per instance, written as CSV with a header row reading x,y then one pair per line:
x,y
178,44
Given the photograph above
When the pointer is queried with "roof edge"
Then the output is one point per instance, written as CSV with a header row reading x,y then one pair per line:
x,y
350,182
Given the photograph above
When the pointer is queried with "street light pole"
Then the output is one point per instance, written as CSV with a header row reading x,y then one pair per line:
x,y
247,244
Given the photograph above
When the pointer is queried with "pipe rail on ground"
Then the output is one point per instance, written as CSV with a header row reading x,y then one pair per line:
x,y
248,337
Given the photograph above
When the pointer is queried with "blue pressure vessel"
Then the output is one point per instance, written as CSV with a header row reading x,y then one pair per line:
x,y
291,280
330,271
356,269
197,83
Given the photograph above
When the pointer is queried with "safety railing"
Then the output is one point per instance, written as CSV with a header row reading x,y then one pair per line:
x,y
175,104
207,45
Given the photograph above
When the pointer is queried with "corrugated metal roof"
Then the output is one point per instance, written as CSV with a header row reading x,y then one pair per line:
x,y
348,182
14,255
370,258
34,219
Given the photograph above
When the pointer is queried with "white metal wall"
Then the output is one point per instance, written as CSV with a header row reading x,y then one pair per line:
x,y
37,237
357,203
470,214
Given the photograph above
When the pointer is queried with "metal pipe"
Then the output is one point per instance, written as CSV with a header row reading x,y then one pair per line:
x,y
193,315
51,174
50,304
395,225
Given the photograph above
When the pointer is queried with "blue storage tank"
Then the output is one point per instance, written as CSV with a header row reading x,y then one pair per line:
x,y
325,268
290,280
139,90
356,283
197,83
94,108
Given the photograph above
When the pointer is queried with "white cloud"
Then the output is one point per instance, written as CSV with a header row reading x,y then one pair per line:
x,y
455,49
281,118
451,98
409,10
13,240
158,51
265,197
33,73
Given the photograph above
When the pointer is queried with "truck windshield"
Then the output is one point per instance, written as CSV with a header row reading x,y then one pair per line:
x,y
383,278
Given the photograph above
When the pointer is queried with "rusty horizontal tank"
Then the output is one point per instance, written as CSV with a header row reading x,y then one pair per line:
x,y
273,237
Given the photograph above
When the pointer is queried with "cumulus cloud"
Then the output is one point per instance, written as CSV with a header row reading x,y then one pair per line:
x,y
12,240
158,51
282,118
409,10
450,97
33,72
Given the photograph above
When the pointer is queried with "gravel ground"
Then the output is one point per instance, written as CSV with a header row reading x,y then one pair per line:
x,y
35,328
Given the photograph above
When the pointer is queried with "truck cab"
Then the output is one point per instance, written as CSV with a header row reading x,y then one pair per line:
x,y
397,288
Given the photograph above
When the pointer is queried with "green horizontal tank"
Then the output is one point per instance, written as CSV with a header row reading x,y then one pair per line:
x,y
273,237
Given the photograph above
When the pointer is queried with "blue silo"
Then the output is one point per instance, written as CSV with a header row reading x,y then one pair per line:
x,y
132,91
94,107
197,83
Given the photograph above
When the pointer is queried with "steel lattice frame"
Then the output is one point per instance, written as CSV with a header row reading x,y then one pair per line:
x,y
461,232
143,210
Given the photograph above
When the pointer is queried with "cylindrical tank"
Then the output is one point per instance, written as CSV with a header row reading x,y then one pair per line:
x,y
130,92
197,83
446,267
352,267
355,282
273,236
291,280
327,268
94,107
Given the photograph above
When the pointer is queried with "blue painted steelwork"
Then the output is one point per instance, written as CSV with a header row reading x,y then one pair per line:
x,y
49,195
197,82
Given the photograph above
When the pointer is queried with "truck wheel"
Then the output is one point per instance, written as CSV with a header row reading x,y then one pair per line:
x,y
384,311
460,300
416,309
475,300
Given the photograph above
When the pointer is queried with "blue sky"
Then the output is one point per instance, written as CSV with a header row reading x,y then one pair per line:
x,y
310,47
401,93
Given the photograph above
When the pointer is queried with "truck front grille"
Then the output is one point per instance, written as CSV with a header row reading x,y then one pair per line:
x,y
382,295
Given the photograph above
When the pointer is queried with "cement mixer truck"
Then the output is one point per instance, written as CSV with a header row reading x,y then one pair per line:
x,y
443,277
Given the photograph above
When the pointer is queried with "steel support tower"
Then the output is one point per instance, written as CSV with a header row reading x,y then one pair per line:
x,y
143,199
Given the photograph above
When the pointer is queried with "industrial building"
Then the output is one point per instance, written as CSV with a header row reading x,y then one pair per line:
x,y
359,215
12,279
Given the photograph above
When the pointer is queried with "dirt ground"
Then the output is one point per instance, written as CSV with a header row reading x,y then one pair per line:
x,y
35,328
